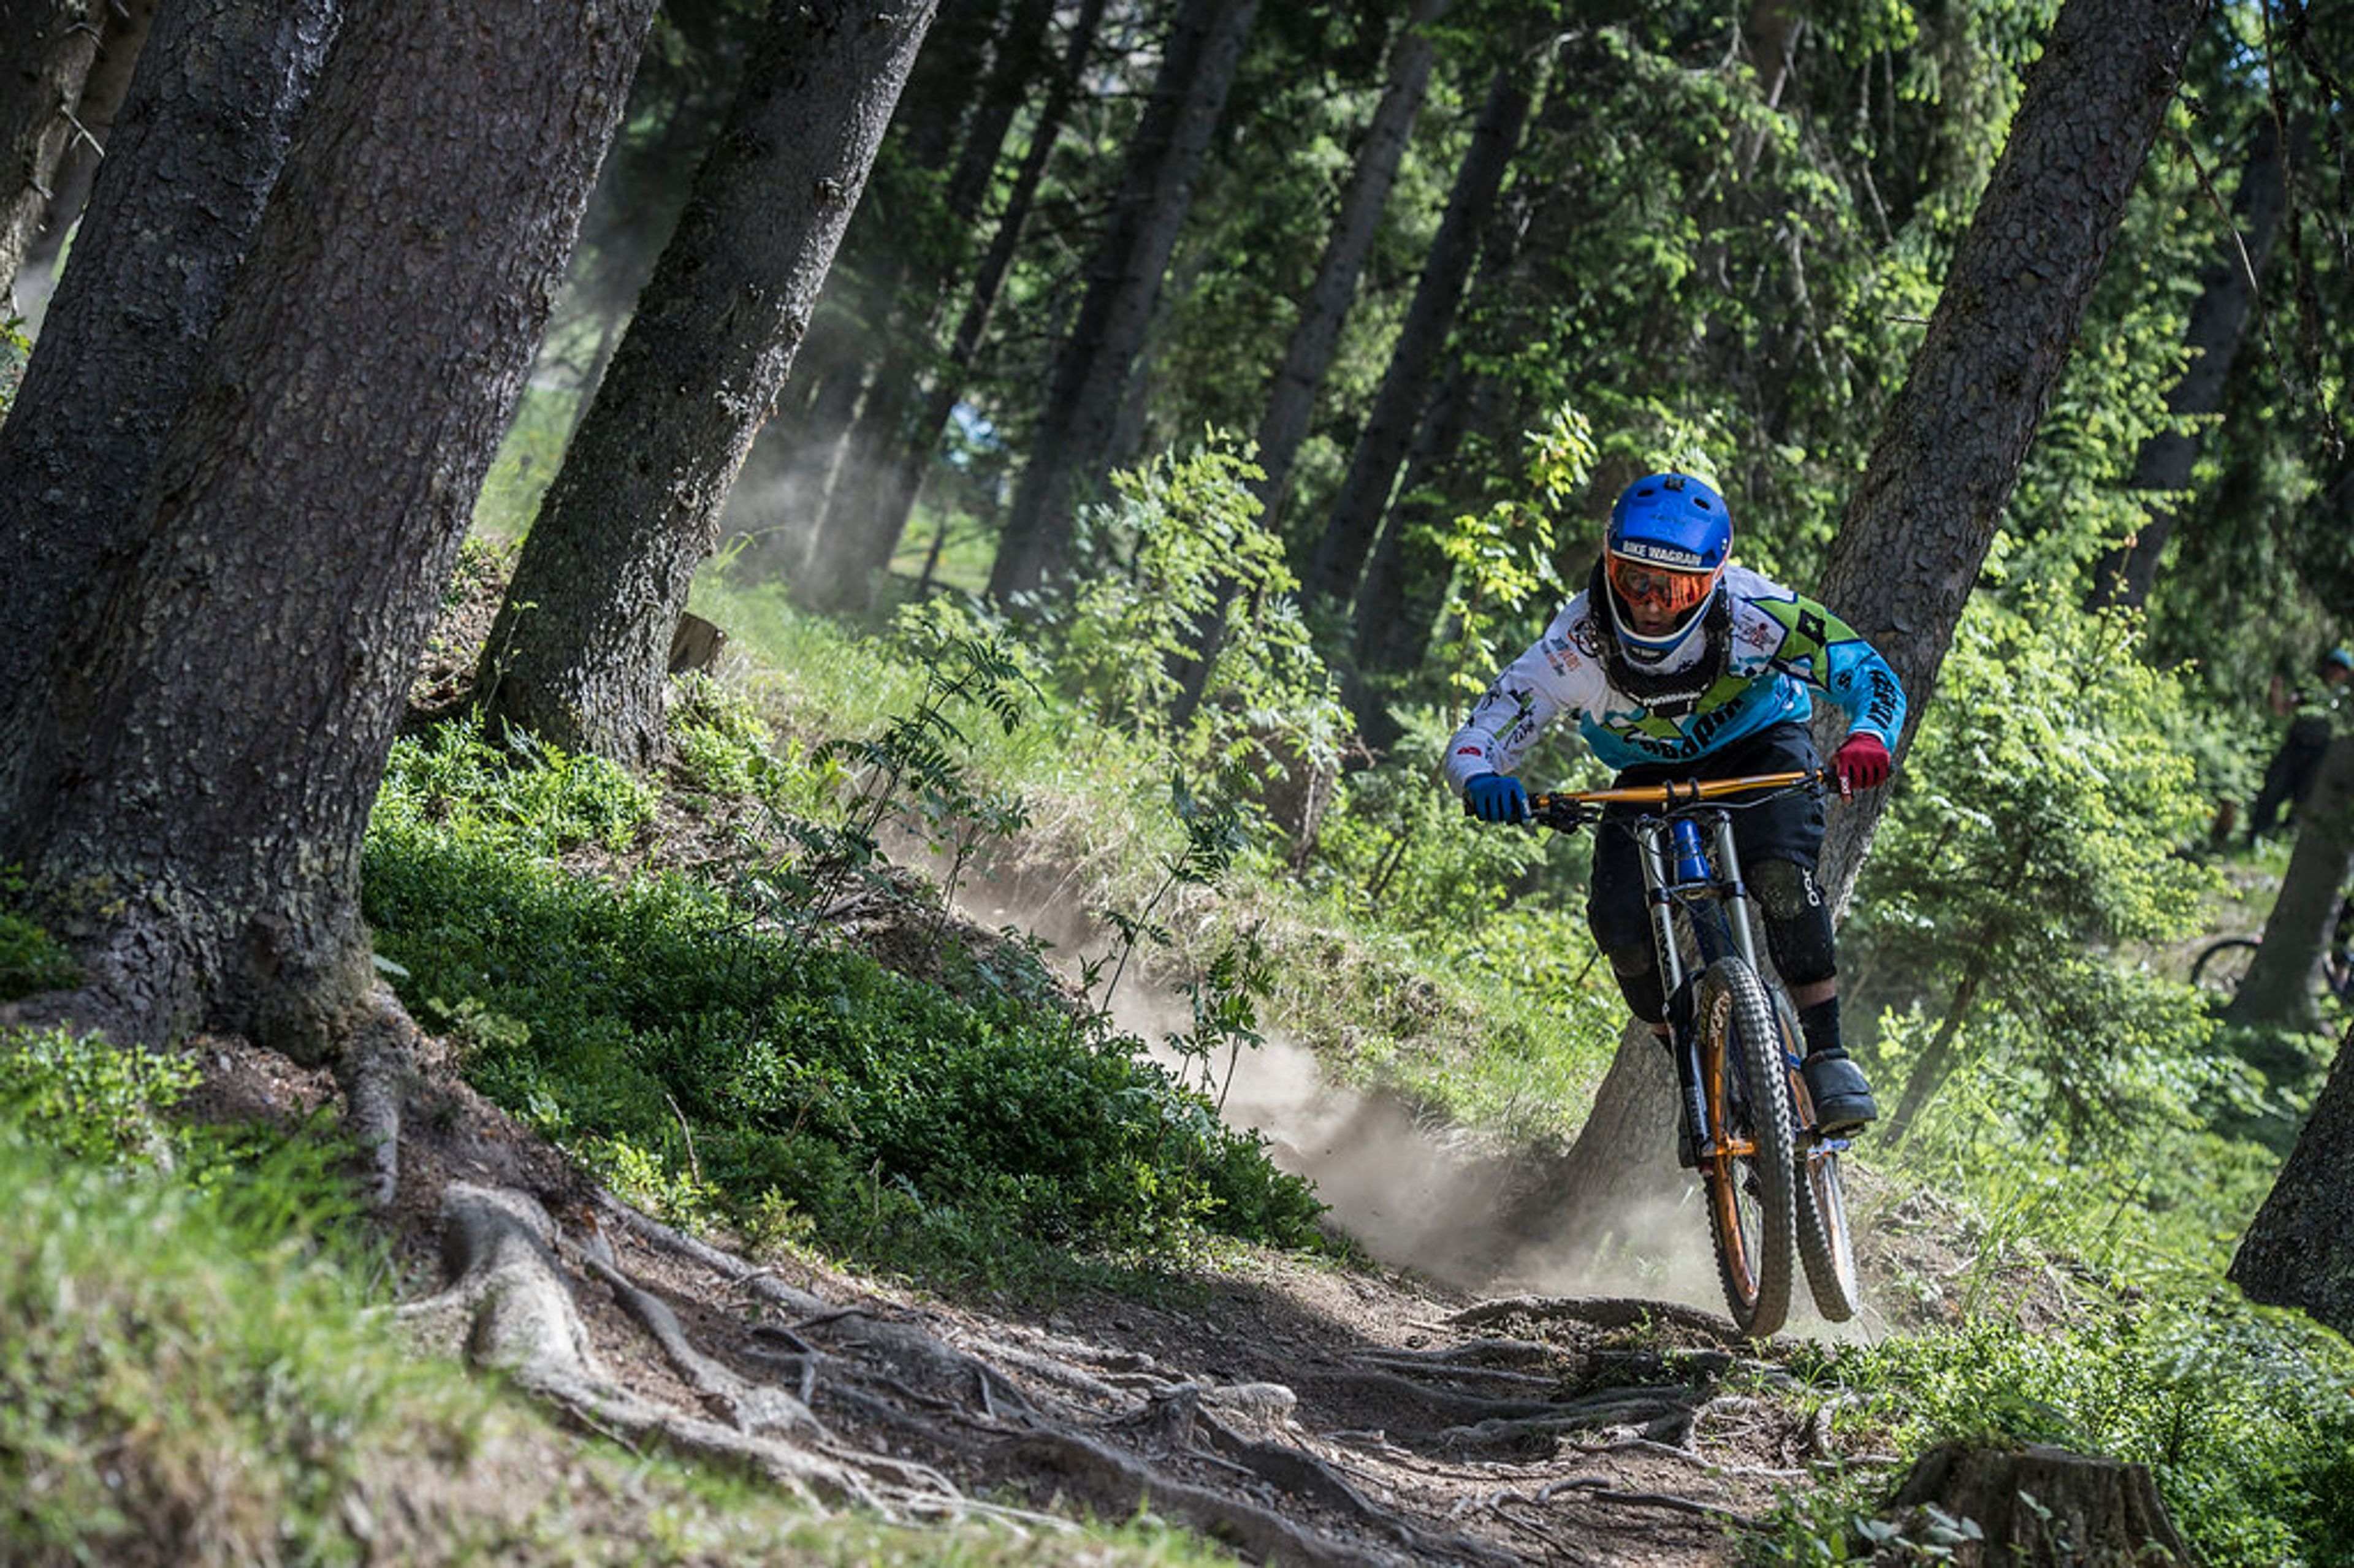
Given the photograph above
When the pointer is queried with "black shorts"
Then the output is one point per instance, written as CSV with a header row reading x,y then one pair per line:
x,y
1789,827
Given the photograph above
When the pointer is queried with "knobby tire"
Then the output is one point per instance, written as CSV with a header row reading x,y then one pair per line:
x,y
1747,1163
1826,1247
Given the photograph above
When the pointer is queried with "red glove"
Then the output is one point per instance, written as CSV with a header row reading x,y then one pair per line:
x,y
1860,763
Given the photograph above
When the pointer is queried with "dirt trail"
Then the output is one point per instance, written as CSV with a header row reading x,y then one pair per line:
x,y
1294,1410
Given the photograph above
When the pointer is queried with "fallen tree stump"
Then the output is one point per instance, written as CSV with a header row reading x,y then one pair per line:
x,y
2032,1506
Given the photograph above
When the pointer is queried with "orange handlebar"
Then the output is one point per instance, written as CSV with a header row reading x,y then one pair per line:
x,y
1680,793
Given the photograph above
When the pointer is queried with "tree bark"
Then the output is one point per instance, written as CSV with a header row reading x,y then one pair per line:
x,y
2300,1249
211,111
580,652
2039,1507
1915,536
200,798
2217,328
2278,992
1071,455
1339,557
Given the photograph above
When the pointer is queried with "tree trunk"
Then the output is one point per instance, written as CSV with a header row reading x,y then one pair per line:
x,y
198,803
1339,557
862,316
1324,309
859,530
1937,1058
1070,456
1392,616
2300,1249
2038,1507
896,492
1942,471
48,45
193,159
579,654
103,93
2278,992
2217,325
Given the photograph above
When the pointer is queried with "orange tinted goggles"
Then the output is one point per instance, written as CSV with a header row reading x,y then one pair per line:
x,y
1638,582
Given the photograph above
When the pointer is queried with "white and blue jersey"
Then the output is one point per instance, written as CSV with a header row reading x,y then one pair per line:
x,y
1777,644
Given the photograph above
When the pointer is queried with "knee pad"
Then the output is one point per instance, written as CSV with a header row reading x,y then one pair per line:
x,y
1798,920
1636,971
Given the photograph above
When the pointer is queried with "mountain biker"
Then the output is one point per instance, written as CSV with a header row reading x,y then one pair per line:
x,y
1676,666
2318,711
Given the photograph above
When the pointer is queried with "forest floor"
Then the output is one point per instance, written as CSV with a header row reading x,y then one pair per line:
x,y
1292,1408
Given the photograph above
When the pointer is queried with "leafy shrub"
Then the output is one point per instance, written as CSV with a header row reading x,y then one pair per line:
x,y
540,802
1186,573
89,1100
30,959
725,748
814,1074
2034,840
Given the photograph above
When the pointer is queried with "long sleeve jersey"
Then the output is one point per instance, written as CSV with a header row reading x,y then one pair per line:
x,y
1779,643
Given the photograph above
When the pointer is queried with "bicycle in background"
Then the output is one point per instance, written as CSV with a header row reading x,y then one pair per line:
x,y
2222,965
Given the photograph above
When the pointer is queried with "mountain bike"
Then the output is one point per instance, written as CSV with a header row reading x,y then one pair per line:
x,y
1772,1179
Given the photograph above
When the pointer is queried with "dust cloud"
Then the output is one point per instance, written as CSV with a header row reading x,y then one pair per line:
x,y
1414,1192
1417,1194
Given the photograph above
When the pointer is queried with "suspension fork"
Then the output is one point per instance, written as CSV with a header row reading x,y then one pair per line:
x,y
1677,870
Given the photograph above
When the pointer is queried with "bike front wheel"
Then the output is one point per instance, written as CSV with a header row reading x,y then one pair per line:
x,y
1747,1164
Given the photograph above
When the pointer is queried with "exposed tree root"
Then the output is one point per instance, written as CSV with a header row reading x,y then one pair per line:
x,y
375,1070
910,1414
1116,1484
508,1296
1600,1312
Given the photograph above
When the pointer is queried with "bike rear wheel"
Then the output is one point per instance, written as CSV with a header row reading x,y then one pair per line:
x,y
1747,1164
1826,1247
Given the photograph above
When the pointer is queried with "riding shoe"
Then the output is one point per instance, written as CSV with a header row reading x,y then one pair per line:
x,y
1843,1099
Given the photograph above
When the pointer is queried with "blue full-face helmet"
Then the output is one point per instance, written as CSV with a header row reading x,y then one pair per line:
x,y
1668,537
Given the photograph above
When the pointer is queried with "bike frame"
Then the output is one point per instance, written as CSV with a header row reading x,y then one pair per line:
x,y
1690,862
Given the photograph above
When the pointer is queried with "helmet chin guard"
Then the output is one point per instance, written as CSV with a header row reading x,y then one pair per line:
x,y
1659,649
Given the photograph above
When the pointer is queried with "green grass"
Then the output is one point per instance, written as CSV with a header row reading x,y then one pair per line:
x,y
192,1370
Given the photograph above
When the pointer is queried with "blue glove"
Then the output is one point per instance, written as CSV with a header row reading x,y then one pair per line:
x,y
1497,798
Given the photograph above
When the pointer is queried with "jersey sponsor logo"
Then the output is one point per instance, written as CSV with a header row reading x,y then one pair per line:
x,y
1811,627
1587,638
1469,751
1881,701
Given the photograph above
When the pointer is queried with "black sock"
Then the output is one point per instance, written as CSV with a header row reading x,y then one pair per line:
x,y
1820,1022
